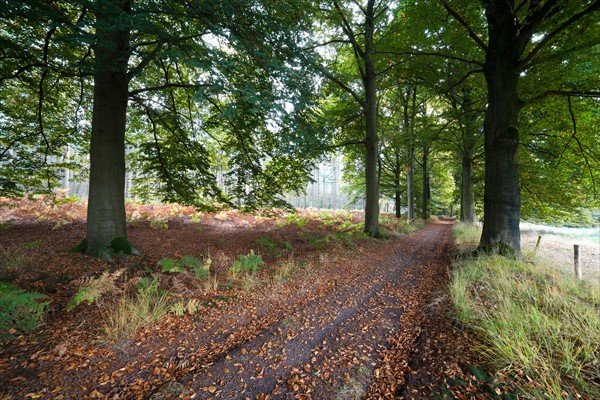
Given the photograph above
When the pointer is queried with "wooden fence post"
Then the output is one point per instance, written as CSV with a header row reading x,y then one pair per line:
x,y
577,262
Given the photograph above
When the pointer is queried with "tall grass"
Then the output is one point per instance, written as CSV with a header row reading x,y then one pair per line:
x,y
466,236
122,318
534,323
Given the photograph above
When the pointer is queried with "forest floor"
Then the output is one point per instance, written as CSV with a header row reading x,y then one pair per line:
x,y
356,318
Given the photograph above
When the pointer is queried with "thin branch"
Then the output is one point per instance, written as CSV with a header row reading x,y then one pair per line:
x,y
547,38
165,86
137,69
360,7
570,93
556,56
464,23
433,54
327,43
341,84
346,144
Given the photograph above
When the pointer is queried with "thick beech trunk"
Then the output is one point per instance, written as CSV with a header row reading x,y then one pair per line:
x,y
372,139
106,205
502,199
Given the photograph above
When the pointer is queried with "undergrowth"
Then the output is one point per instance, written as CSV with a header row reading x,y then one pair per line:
x,y
122,318
20,311
536,325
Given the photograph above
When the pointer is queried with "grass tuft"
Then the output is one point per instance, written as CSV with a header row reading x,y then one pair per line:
x,y
124,317
534,323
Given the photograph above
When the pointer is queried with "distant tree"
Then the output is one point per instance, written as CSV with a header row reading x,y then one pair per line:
x,y
152,58
522,38
352,29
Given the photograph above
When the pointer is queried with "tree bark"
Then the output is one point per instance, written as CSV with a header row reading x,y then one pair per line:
x,y
467,203
106,204
397,194
469,146
372,138
410,173
425,202
502,199
410,187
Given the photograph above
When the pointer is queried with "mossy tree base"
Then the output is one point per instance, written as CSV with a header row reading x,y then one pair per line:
x,y
118,246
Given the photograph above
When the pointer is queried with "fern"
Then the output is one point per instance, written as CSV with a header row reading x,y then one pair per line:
x,y
247,263
170,266
95,289
20,311
191,262
178,308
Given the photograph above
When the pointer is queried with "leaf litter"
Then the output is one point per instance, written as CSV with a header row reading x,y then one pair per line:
x,y
353,323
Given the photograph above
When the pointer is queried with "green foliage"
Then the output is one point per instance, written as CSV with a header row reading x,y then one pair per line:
x,y
201,269
20,311
160,223
466,236
34,244
11,262
539,326
67,200
147,284
180,308
122,319
297,220
273,247
4,226
171,266
247,263
95,288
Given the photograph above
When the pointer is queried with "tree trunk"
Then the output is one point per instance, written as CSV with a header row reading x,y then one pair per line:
x,y
397,194
406,125
425,202
410,187
372,139
502,199
467,199
469,138
106,204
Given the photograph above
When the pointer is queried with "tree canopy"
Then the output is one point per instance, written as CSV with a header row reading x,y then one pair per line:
x,y
233,103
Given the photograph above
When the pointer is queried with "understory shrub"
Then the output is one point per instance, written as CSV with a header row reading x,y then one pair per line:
x,y
92,289
201,269
247,263
20,311
273,247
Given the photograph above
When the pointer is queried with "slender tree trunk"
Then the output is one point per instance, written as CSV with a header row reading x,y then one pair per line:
x,y
372,138
410,187
469,138
425,202
106,204
397,194
467,203
502,198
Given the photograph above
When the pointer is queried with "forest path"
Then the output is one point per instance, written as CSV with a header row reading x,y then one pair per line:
x,y
355,337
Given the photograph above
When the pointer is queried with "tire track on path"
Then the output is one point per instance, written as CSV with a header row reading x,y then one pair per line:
x,y
352,340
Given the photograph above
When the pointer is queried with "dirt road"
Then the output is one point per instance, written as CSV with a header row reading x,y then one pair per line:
x,y
353,339
348,326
